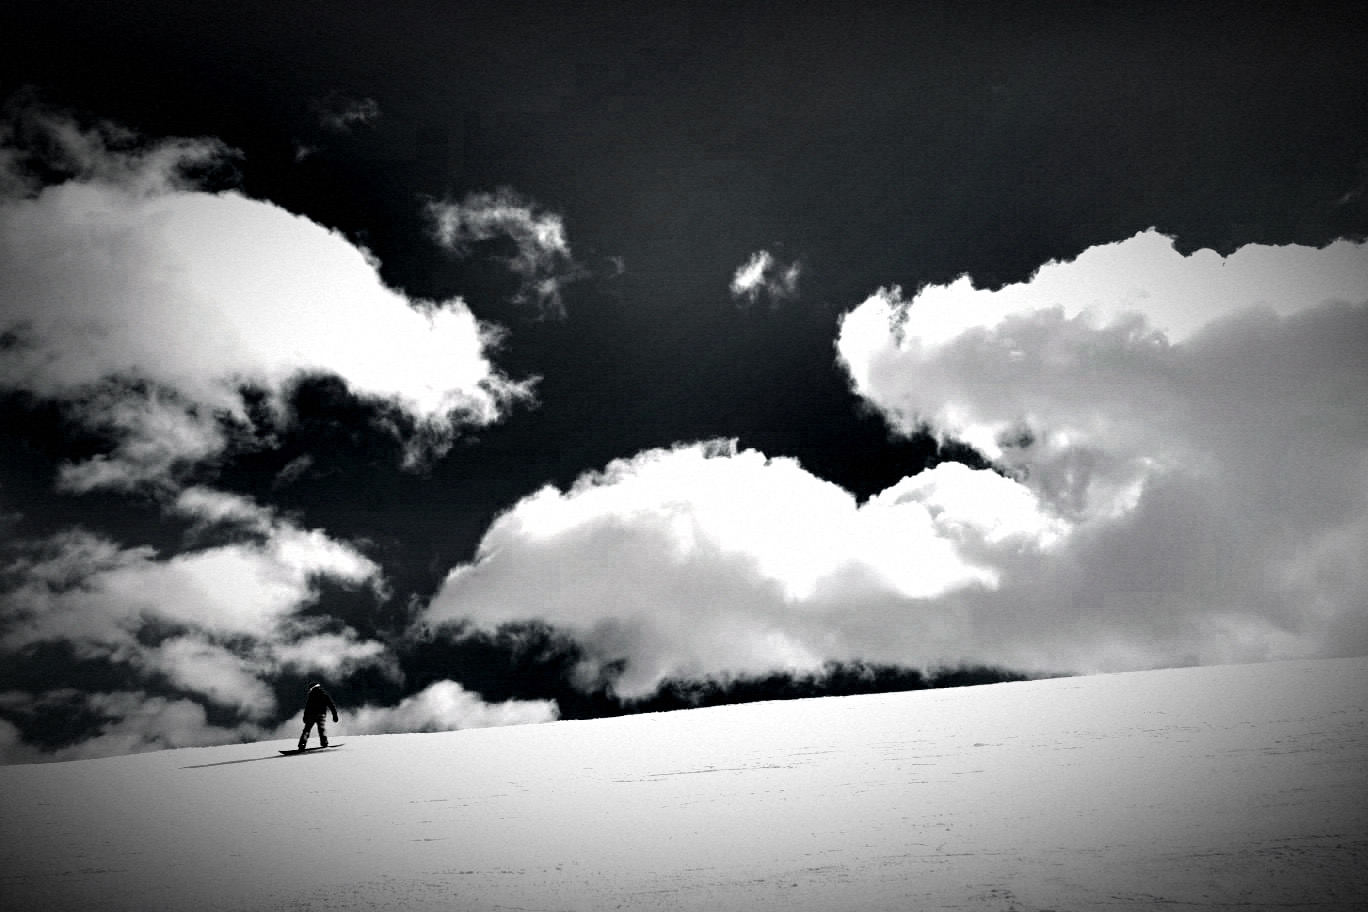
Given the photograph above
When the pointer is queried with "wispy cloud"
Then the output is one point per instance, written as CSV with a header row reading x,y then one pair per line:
x,y
38,144
334,655
542,258
157,436
342,113
762,274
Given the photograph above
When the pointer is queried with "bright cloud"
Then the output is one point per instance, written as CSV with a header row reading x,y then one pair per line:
x,y
763,274
148,304
703,558
201,292
446,706
1105,327
542,258
1199,422
1184,479
1143,276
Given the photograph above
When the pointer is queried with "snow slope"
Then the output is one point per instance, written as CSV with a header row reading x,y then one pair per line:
x,y
1224,787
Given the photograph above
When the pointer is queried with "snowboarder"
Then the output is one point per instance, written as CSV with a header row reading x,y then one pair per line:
x,y
315,706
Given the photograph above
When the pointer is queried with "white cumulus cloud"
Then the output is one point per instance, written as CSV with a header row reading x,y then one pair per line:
x,y
705,558
1183,453
1198,421
148,304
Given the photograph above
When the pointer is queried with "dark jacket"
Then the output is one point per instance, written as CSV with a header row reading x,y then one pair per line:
x,y
318,704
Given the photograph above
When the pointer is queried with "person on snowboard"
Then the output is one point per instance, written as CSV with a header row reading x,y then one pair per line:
x,y
315,706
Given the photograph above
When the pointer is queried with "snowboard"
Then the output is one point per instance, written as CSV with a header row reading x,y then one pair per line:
x,y
310,750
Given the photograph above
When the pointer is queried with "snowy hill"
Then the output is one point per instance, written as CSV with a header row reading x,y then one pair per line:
x,y
1238,786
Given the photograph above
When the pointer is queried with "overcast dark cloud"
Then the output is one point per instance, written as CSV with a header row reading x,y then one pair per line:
x,y
492,362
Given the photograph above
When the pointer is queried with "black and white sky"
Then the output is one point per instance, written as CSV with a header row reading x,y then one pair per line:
x,y
479,357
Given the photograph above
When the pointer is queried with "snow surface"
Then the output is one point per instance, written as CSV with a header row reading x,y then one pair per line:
x,y
1221,787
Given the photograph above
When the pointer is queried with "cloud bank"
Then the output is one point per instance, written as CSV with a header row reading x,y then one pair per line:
x,y
1197,421
1183,478
706,558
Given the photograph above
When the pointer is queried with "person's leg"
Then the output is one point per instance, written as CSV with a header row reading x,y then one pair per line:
x,y
322,733
304,735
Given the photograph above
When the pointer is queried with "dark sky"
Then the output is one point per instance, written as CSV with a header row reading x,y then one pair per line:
x,y
705,242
